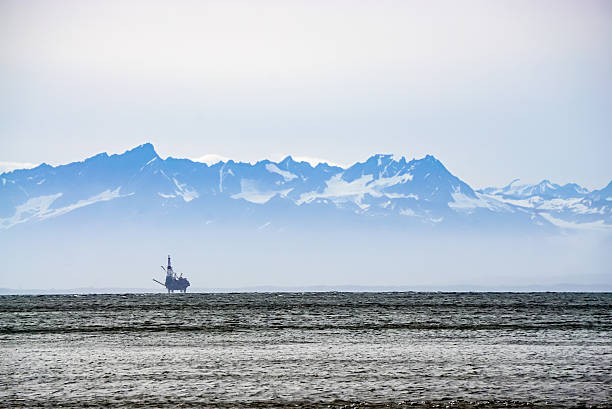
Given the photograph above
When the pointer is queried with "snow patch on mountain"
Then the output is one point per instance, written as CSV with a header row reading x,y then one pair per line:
x,y
339,190
532,202
575,205
34,207
250,192
148,163
461,201
407,212
401,196
545,189
183,191
465,203
288,176
222,173
40,207
101,197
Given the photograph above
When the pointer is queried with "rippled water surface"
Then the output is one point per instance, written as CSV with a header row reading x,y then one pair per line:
x,y
307,350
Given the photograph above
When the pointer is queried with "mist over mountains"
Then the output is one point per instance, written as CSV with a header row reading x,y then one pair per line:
x,y
386,221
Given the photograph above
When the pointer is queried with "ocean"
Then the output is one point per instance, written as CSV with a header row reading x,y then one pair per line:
x,y
276,350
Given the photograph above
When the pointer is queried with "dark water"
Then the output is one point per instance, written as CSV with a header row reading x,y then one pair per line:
x,y
307,350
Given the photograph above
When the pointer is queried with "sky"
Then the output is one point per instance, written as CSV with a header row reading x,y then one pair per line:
x,y
495,90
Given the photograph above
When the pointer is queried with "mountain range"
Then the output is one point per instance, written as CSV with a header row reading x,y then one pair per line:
x,y
384,189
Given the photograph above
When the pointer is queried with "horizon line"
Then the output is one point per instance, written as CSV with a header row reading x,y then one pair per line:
x,y
451,288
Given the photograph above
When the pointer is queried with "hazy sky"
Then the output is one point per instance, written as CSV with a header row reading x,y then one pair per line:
x,y
495,89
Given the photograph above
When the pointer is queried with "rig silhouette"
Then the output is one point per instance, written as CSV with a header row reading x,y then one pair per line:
x,y
173,282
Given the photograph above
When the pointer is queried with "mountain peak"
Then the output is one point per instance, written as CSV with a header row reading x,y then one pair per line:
x,y
430,159
546,185
145,147
146,151
381,158
288,159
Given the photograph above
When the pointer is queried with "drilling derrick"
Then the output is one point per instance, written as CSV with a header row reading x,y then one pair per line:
x,y
173,283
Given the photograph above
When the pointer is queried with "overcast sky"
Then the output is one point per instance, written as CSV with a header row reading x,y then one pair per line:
x,y
494,89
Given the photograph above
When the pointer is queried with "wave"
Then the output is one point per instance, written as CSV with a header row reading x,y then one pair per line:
x,y
600,326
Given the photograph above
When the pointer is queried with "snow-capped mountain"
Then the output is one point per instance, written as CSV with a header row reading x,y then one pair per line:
x,y
545,189
569,206
384,188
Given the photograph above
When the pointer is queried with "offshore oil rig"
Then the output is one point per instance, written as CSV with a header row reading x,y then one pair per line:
x,y
173,283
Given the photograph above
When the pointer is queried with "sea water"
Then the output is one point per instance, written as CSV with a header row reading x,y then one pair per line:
x,y
307,350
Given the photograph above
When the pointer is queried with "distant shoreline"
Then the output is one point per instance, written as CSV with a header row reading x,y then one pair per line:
x,y
569,288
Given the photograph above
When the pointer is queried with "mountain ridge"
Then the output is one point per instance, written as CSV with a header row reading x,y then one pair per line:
x,y
414,192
